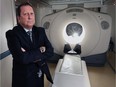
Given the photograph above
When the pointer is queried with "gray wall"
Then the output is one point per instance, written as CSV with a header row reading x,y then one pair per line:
x,y
115,28
41,11
8,20
111,10
0,42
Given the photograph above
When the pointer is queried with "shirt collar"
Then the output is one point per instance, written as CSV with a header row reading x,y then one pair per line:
x,y
27,29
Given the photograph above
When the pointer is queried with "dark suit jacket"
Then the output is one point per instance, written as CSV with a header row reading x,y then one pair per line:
x,y
24,68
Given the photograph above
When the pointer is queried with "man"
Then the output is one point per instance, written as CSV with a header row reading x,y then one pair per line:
x,y
29,51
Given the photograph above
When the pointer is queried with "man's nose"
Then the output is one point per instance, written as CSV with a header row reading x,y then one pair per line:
x,y
29,16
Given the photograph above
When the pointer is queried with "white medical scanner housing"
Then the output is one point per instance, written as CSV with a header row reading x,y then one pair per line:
x,y
78,26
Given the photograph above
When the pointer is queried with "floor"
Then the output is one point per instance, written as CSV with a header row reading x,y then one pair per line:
x,y
52,67
99,76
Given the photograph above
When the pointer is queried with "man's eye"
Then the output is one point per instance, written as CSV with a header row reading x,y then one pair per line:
x,y
25,13
28,13
32,13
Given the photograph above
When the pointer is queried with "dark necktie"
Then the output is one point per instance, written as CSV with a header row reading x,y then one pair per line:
x,y
30,34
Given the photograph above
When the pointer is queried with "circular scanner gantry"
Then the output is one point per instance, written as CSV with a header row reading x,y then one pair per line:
x,y
78,26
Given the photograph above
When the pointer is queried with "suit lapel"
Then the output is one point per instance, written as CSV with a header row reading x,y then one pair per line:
x,y
23,35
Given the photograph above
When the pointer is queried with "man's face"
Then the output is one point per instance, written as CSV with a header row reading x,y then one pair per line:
x,y
27,17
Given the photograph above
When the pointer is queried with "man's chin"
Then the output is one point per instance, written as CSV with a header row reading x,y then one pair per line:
x,y
30,25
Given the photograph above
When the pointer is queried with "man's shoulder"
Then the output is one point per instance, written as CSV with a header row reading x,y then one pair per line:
x,y
9,33
38,28
17,27
12,31
35,27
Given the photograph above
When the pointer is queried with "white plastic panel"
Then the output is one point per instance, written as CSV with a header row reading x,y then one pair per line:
x,y
62,79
